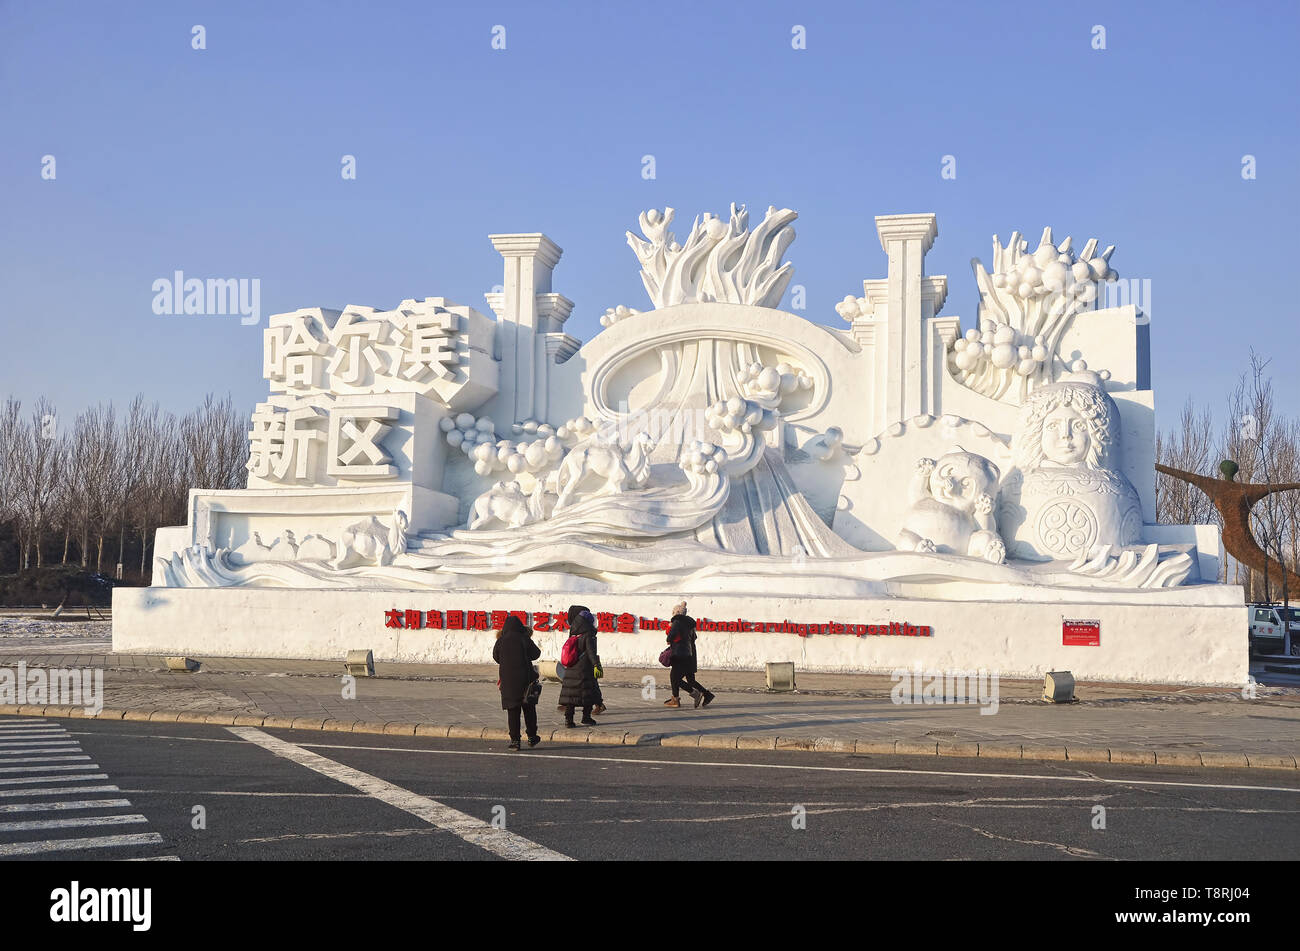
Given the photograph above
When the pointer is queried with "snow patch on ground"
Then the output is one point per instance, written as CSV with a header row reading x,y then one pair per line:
x,y
39,635
41,627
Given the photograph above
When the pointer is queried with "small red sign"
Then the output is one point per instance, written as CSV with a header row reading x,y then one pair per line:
x,y
1080,633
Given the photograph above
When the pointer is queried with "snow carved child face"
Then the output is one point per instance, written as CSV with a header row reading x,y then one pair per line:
x,y
960,478
1066,436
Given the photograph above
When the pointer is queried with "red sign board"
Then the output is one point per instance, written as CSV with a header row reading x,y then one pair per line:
x,y
1081,633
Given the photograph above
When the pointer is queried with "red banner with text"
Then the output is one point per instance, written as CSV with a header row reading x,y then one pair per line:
x,y
614,623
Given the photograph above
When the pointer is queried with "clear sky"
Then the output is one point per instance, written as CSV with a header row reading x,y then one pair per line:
x,y
225,162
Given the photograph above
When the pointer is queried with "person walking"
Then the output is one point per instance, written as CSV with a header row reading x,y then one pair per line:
x,y
514,653
681,639
574,611
579,688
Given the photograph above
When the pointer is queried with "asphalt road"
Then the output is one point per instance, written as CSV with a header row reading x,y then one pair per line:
x,y
73,789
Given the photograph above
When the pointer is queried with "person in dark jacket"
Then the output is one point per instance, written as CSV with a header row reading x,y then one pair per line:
x,y
574,611
681,638
579,688
514,653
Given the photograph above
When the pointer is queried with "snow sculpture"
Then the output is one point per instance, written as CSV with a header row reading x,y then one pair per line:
x,y
714,446
952,508
1073,499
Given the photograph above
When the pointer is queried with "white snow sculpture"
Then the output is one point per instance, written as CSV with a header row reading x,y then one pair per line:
x,y
370,542
506,504
952,503
1072,497
744,433
1026,305
620,468
719,261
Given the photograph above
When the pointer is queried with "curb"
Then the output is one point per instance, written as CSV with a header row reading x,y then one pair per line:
x,y
726,741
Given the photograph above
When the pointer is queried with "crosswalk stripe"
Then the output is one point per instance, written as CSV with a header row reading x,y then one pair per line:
x,y
154,858
40,749
28,825
24,728
18,744
33,775
62,806
73,845
16,780
57,791
47,769
509,845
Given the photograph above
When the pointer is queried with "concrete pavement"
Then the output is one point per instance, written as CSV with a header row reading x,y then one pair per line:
x,y
1120,723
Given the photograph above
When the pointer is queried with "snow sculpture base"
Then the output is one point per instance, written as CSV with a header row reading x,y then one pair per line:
x,y
1146,636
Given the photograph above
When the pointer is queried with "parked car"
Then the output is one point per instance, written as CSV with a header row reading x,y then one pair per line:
x,y
1266,630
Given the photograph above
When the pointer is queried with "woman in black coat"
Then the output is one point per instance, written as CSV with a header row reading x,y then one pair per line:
x,y
681,638
514,653
580,688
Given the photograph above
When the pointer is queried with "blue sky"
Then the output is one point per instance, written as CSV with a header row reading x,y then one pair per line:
x,y
225,162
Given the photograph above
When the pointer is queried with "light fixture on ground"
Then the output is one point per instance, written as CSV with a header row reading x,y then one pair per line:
x,y
1059,686
551,670
361,663
184,664
780,676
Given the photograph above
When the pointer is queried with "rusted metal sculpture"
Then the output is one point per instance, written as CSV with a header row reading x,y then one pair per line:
x,y
1234,501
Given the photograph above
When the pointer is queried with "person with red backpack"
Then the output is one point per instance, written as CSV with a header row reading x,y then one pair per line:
x,y
579,660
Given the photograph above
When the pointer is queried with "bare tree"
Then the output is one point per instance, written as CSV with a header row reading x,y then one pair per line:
x,y
216,441
1190,448
106,474
10,429
160,499
92,458
135,442
1262,442
39,460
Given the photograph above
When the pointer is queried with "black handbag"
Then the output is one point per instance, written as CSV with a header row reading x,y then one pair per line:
x,y
533,692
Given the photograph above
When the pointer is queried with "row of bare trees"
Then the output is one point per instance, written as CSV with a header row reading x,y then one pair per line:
x,y
1264,442
88,491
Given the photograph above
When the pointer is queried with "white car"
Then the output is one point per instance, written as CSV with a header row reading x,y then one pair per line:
x,y
1266,628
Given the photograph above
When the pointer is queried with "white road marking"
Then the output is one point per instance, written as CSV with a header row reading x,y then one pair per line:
x,y
314,836
14,781
59,791
657,764
653,763
15,732
475,831
73,845
244,792
154,858
18,744
61,806
29,824
36,774
49,769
